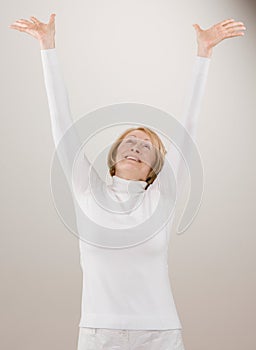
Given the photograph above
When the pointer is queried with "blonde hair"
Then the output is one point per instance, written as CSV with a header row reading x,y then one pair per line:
x,y
159,148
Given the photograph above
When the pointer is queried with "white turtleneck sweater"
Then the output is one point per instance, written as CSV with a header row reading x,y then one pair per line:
x,y
128,287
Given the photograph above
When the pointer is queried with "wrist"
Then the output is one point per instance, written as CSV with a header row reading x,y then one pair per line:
x,y
204,51
47,43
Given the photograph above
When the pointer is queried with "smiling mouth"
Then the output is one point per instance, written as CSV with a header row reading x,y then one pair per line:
x,y
133,159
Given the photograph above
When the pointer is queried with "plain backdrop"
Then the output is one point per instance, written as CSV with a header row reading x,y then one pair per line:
x,y
128,51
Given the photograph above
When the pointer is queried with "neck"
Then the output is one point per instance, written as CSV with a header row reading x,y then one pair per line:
x,y
130,185
129,176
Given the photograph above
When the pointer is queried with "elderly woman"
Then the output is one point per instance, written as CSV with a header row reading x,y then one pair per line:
x,y
127,302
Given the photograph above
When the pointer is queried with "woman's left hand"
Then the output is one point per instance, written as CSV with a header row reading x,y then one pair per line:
x,y
207,39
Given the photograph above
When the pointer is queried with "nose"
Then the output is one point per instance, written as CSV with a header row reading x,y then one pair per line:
x,y
135,149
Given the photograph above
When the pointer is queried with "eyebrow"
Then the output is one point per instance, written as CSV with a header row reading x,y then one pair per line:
x,y
136,136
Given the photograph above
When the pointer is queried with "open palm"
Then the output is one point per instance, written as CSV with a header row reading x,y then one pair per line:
x,y
225,29
36,28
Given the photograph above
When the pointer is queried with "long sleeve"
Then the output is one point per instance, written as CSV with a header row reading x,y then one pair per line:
x,y
189,120
61,121
173,157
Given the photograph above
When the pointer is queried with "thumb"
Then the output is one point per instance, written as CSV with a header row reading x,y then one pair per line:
x,y
52,17
197,27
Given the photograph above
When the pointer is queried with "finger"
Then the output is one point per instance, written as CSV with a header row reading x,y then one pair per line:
x,y
21,29
34,19
23,21
226,21
18,24
235,24
234,34
52,19
234,30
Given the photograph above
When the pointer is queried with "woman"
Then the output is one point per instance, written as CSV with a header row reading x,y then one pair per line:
x,y
127,301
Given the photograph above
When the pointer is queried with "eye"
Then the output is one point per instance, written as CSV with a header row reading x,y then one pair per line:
x,y
147,145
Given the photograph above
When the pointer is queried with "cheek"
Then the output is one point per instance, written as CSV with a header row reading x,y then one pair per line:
x,y
150,158
123,147
119,151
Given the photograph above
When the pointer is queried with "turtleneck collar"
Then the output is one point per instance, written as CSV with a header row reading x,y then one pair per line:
x,y
123,185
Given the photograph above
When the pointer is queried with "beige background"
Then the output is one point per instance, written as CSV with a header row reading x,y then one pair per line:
x,y
129,51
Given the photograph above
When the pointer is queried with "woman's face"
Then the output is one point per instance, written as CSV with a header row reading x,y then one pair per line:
x,y
135,156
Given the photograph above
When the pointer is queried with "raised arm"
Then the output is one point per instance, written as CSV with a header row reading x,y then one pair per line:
x,y
61,121
206,40
189,121
60,114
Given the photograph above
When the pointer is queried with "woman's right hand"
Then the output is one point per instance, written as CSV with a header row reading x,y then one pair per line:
x,y
44,32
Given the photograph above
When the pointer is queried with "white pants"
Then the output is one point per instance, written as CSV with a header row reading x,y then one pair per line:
x,y
121,339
